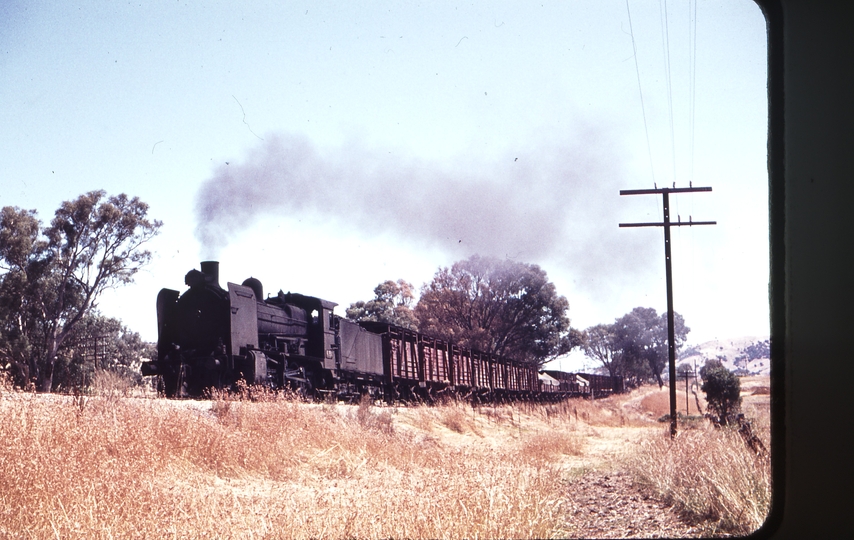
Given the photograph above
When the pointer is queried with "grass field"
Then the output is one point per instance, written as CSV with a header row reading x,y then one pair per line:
x,y
116,467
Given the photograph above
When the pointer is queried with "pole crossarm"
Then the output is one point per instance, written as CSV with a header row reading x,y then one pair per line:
x,y
669,224
663,190
671,348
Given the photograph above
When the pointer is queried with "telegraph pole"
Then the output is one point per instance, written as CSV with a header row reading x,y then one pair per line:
x,y
688,375
671,347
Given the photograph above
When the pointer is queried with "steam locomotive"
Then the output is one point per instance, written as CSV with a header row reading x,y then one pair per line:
x,y
210,337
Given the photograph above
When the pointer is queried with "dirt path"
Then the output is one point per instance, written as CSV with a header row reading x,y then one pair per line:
x,y
608,505
602,500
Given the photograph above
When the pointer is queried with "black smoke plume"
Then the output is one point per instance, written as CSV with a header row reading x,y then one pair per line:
x,y
556,202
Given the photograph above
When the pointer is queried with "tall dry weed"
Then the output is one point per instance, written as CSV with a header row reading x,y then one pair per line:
x,y
111,384
548,447
239,468
454,419
7,386
710,475
369,419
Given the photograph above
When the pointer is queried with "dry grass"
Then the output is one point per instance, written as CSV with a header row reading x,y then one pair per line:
x,y
268,465
658,401
544,448
108,383
99,468
710,475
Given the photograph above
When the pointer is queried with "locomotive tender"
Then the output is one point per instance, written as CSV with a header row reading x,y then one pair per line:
x,y
210,337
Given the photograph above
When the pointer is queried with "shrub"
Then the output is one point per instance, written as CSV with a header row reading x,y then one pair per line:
x,y
723,392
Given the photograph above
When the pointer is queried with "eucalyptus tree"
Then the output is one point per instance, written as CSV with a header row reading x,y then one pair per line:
x,y
392,303
634,346
641,341
497,306
54,275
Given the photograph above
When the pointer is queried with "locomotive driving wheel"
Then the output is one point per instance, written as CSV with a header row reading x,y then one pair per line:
x,y
172,384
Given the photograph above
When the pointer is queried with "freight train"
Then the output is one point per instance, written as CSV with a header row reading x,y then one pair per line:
x,y
210,337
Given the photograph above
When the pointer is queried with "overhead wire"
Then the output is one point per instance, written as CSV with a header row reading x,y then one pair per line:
x,y
643,108
665,45
665,36
692,50
691,106
692,76
692,100
640,91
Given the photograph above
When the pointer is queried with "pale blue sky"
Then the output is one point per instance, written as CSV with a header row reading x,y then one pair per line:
x,y
433,131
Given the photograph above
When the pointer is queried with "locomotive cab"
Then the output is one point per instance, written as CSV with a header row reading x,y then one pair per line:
x,y
320,325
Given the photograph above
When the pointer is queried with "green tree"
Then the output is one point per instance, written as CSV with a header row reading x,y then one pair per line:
x,y
711,363
99,343
723,392
501,307
21,284
617,353
641,342
600,343
392,304
55,275
759,349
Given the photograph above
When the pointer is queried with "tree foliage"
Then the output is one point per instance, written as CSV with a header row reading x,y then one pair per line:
x,y
635,345
54,275
99,343
642,339
759,349
497,306
723,391
599,343
711,363
392,303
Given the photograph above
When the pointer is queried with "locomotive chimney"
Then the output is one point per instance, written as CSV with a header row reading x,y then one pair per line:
x,y
211,271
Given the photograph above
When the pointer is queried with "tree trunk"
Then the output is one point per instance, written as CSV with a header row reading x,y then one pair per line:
x,y
33,373
47,375
46,384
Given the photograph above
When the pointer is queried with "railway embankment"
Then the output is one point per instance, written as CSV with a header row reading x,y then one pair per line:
x,y
114,466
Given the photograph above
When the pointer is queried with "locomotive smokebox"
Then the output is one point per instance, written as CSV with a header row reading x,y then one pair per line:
x,y
211,271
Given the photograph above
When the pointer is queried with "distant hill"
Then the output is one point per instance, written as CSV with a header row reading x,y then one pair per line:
x,y
745,355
